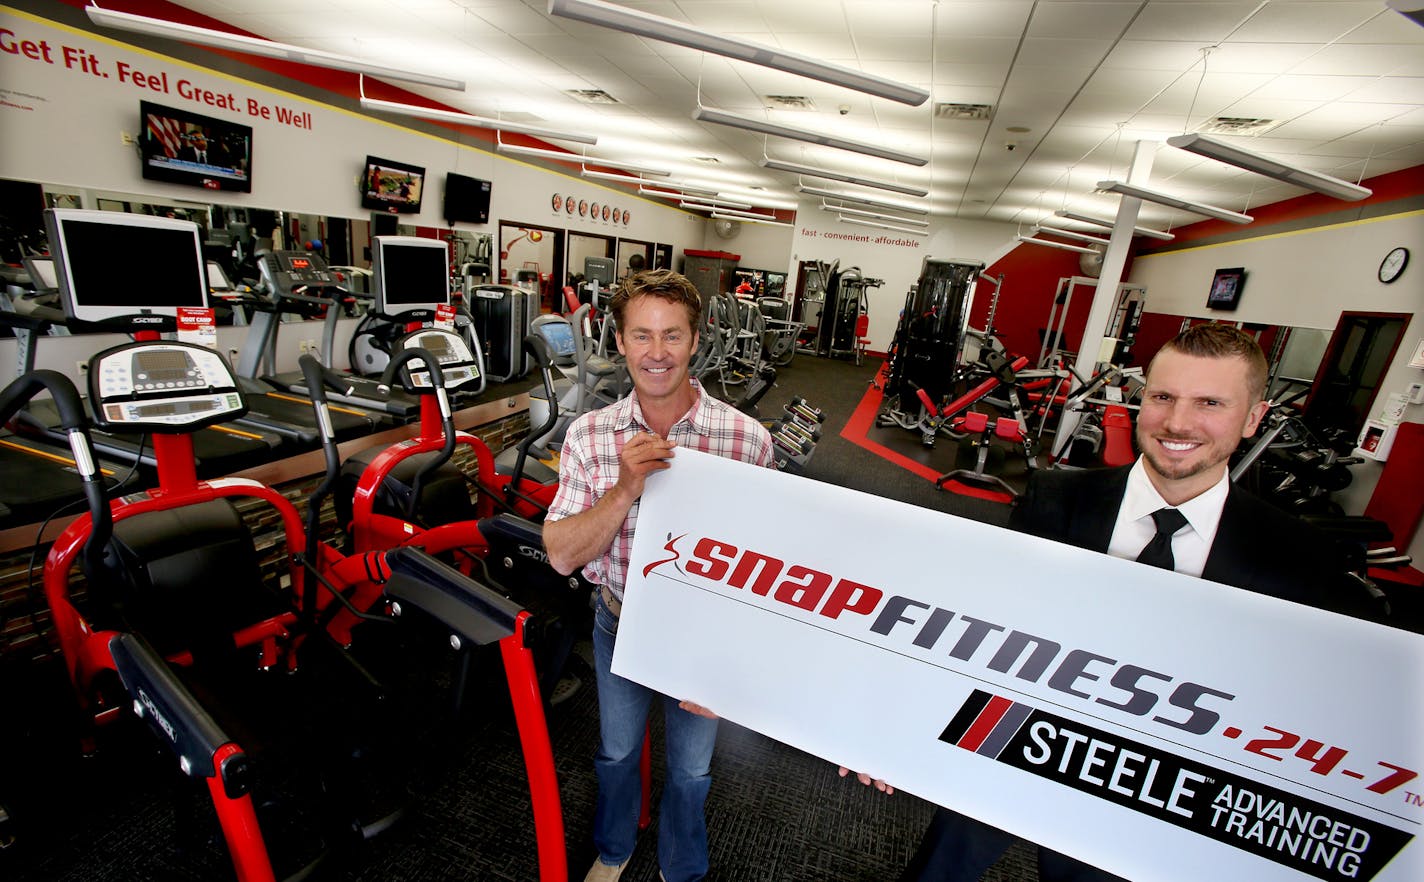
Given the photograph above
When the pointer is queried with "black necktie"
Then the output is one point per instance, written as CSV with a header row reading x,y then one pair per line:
x,y
1158,552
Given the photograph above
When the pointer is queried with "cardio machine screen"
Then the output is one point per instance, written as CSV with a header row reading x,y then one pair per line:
x,y
412,276
163,366
560,337
131,266
300,263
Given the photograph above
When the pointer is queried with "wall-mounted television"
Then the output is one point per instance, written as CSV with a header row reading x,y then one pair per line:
x,y
1226,288
466,199
393,187
182,147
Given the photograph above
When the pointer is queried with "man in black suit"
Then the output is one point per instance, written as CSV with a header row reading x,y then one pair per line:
x,y
1174,508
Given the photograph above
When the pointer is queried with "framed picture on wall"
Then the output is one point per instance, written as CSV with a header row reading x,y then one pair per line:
x,y
1226,288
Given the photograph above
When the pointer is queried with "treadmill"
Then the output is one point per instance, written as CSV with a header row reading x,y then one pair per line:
x,y
301,278
50,476
288,415
86,246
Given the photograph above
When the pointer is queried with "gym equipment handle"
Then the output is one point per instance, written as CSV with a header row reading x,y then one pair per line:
x,y
473,611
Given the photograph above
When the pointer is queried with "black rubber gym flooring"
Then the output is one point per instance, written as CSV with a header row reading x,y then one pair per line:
x,y
774,813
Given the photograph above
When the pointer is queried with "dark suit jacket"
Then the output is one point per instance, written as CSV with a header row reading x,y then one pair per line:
x,y
1257,547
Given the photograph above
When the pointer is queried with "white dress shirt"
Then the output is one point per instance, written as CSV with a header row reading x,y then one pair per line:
x,y
1190,545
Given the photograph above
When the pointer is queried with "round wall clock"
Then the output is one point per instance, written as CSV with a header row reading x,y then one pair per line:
x,y
1392,267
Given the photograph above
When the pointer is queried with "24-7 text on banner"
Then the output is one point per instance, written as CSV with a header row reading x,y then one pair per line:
x,y
1155,725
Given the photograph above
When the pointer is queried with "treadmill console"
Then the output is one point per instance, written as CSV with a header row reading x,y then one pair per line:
x,y
458,365
165,387
286,271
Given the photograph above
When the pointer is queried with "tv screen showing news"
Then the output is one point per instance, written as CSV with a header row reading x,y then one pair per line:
x,y
1226,288
466,199
182,147
392,187
88,245
411,274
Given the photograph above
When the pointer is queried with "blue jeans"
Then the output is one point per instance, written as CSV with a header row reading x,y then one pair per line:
x,y
622,715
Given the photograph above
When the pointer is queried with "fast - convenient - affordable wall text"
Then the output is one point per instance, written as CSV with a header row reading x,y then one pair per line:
x,y
82,61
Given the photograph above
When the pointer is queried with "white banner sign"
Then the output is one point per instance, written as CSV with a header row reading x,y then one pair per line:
x,y
1155,725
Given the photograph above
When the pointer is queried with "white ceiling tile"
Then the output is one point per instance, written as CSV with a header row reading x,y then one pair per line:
x,y
1350,59
970,74
1305,22
1168,55
1258,57
1080,20
1199,22
905,18
986,18
1064,54
975,50
1319,88
1390,90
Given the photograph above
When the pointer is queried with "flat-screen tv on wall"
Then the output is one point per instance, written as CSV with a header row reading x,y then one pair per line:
x,y
466,199
1226,288
391,186
182,147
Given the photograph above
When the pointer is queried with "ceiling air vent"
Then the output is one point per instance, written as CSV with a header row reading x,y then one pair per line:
x,y
591,96
963,111
787,102
710,160
1238,125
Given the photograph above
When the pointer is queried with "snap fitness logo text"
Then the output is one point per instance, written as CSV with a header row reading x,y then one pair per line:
x,y
1095,680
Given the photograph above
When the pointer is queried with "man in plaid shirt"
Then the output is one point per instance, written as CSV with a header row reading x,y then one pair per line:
x,y
606,457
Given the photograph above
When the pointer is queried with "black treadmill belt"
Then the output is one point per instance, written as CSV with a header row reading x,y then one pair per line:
x,y
43,478
397,403
217,450
296,420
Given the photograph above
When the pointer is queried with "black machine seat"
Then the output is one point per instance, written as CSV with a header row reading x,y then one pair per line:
x,y
444,497
185,578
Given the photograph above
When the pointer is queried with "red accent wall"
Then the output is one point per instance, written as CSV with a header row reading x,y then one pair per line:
x,y
1031,274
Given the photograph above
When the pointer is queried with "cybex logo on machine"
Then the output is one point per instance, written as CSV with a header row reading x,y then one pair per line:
x,y
909,625
1278,826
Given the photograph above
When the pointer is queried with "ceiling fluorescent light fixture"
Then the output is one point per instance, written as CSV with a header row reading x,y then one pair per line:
x,y
860,200
561,156
868,223
1110,224
716,205
1171,201
686,188
472,120
1230,154
157,27
666,30
609,176
856,212
765,127
811,171
722,215
1063,245
1070,234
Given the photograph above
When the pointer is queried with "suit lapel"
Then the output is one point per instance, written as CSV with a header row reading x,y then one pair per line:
x,y
1097,513
1230,556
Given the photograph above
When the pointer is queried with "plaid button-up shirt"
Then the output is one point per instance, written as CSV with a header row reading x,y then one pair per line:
x,y
589,463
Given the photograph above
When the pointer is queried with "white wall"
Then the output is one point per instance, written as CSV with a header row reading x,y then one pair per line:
x,y
62,125
1306,279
